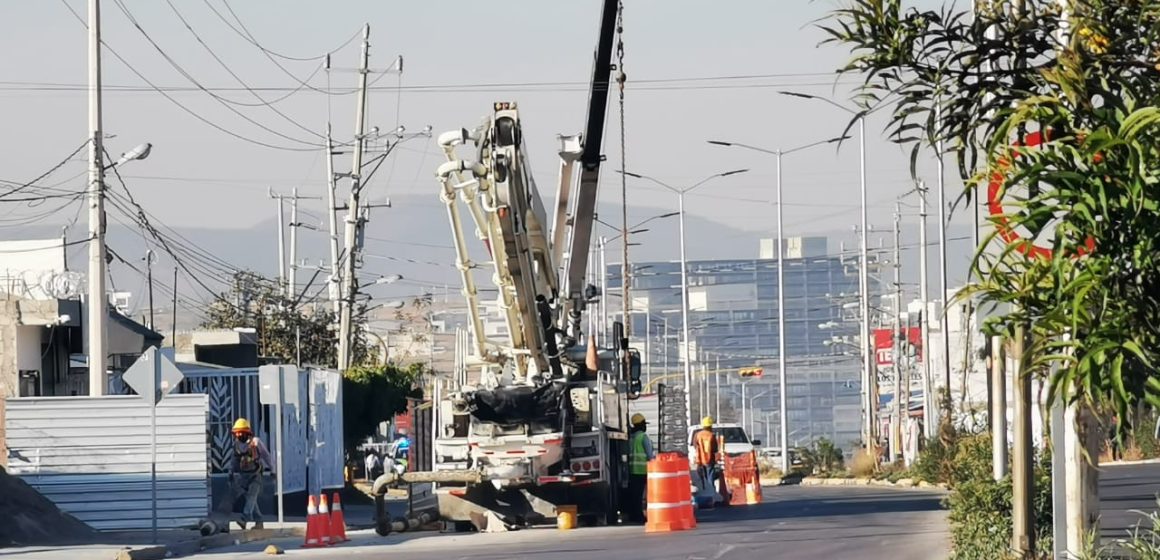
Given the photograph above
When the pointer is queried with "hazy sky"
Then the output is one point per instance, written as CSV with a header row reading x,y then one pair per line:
x,y
685,61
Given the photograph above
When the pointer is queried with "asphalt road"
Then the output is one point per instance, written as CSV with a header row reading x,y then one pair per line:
x,y
806,523
1125,491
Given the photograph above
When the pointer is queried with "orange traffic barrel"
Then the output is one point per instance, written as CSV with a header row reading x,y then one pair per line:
x,y
670,498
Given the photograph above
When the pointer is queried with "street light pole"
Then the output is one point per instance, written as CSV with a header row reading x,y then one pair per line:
x,y
864,292
684,275
863,276
781,325
780,280
685,314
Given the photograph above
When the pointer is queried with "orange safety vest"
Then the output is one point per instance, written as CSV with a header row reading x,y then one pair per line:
x,y
705,444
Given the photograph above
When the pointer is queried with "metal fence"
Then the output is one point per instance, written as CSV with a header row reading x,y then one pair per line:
x,y
312,454
91,457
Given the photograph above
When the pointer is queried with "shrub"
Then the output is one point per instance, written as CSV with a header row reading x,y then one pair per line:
x,y
980,507
863,464
823,457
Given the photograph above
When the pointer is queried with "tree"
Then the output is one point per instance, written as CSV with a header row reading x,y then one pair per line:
x,y
283,325
1054,111
375,394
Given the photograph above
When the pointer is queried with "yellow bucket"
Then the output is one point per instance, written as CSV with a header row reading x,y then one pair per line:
x,y
565,517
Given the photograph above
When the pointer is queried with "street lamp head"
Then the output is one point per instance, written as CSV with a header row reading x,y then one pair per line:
x,y
720,143
140,152
630,174
669,215
734,172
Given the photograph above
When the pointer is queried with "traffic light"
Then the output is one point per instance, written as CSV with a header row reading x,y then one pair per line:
x,y
751,372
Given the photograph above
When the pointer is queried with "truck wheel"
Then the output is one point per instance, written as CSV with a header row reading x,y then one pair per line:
x,y
383,527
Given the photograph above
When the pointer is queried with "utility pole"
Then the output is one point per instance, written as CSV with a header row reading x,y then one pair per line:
x,y
334,288
901,380
294,224
282,280
173,328
1023,483
149,279
292,273
604,292
98,305
931,401
353,217
717,393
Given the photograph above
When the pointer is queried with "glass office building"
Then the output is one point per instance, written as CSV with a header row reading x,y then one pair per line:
x,y
733,323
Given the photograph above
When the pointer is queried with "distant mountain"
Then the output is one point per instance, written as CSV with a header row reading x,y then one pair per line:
x,y
413,239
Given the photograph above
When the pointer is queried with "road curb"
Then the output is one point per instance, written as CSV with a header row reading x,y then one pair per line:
x,y
193,546
904,484
1130,463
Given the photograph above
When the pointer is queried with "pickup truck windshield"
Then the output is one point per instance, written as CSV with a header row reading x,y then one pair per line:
x,y
731,434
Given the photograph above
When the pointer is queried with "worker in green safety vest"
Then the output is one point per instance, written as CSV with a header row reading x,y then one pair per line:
x,y
641,452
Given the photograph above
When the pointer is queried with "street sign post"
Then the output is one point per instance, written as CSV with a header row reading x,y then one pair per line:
x,y
152,376
273,389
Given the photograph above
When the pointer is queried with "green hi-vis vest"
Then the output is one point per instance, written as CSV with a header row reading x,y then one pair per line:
x,y
639,456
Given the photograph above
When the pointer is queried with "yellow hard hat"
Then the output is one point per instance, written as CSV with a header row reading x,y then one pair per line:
x,y
242,425
707,422
638,419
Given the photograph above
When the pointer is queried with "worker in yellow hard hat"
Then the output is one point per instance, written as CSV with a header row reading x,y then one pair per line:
x,y
641,452
707,452
250,458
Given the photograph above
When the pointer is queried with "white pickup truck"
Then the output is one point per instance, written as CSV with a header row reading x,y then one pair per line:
x,y
737,442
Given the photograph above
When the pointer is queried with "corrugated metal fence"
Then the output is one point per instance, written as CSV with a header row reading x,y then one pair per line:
x,y
91,457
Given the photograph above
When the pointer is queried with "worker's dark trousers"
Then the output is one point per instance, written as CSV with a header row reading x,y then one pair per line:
x,y
634,501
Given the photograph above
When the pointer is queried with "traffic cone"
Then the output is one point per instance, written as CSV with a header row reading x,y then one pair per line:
x,y
324,535
313,533
338,521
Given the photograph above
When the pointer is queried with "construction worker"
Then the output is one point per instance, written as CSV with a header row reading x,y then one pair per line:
x,y
705,445
641,452
250,457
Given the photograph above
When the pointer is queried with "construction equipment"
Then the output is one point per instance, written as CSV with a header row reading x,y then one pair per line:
x,y
540,417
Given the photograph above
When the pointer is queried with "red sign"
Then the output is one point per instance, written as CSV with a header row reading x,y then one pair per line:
x,y
403,421
884,344
995,192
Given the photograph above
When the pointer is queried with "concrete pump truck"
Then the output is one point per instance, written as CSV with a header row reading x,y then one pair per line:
x,y
540,419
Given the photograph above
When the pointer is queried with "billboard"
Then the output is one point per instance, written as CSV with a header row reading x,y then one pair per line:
x,y
884,345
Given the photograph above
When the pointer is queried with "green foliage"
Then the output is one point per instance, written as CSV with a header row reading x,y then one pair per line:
x,y
821,458
980,507
375,394
981,86
935,463
283,325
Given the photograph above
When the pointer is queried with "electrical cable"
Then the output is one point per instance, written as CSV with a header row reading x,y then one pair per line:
x,y
181,70
46,173
170,98
262,102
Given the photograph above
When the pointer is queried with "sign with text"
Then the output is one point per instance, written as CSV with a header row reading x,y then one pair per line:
x,y
884,345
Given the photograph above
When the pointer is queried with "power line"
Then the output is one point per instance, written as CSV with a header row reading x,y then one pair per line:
x,y
262,102
170,98
180,70
46,173
665,84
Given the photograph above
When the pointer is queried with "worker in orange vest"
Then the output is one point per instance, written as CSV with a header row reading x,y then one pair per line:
x,y
707,452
